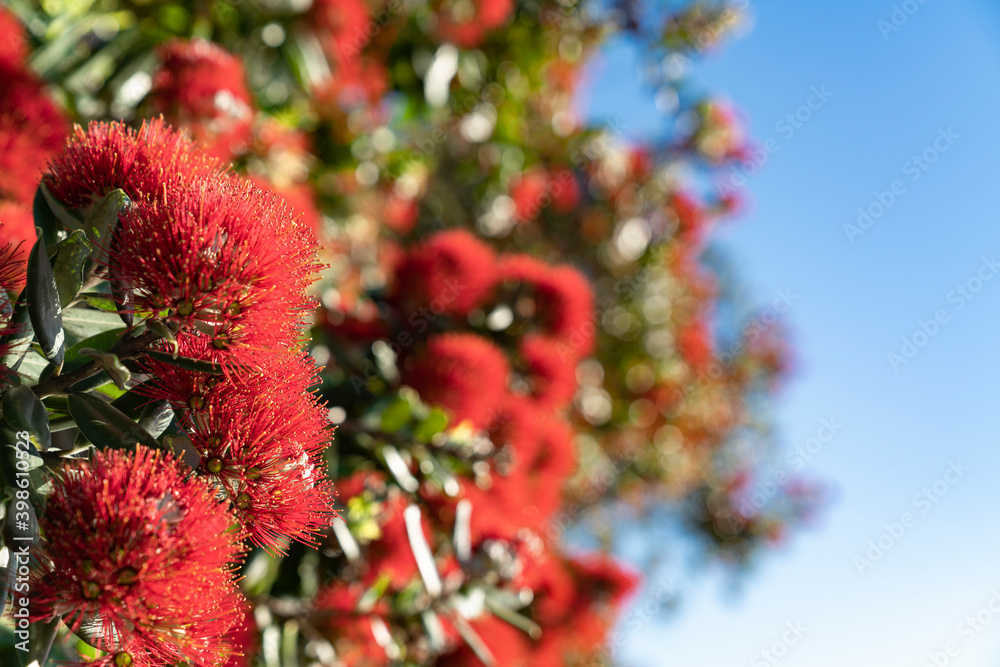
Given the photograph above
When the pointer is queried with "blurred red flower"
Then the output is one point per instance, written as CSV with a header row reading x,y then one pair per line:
x,y
202,87
463,372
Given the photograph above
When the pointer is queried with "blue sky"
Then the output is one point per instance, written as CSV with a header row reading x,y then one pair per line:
x,y
892,97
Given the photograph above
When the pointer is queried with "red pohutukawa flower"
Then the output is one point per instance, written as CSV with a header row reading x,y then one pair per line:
x,y
17,227
32,129
551,371
261,436
263,449
468,29
565,190
694,342
203,88
283,377
543,457
146,162
530,193
11,270
451,273
463,372
537,455
11,281
561,303
228,261
359,635
141,560
342,26
13,44
355,82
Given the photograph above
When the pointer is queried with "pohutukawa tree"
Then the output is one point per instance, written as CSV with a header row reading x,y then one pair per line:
x,y
274,221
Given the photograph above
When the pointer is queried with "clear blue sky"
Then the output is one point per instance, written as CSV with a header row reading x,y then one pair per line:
x,y
902,427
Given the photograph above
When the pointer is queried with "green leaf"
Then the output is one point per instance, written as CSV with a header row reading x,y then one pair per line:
x,y
99,300
31,366
49,214
396,415
108,389
21,334
6,576
68,266
186,363
111,365
132,402
105,425
41,634
435,422
102,341
24,411
82,323
156,417
103,219
121,286
43,305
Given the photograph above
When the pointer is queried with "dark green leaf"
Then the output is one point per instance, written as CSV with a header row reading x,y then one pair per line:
x,y
121,286
186,363
103,219
82,323
24,411
102,341
156,417
32,365
19,339
43,305
68,266
95,381
50,215
41,634
132,402
105,425
6,579
111,365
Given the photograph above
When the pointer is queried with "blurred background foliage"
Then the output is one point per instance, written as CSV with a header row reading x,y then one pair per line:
x,y
437,140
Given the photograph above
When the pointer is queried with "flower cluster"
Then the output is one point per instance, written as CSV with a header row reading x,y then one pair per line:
x,y
140,549
141,561
260,437
227,265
